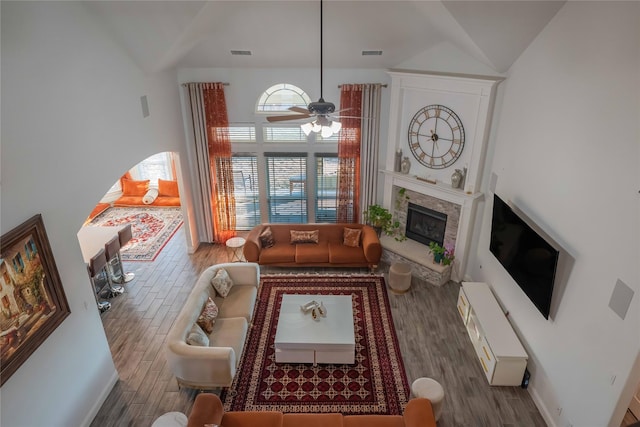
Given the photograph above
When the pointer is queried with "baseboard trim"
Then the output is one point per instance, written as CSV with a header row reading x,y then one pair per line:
x,y
103,397
544,411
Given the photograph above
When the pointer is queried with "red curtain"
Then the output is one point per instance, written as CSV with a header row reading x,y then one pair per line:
x,y
349,154
223,203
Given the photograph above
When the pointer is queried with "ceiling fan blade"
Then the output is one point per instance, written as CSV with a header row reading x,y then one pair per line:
x,y
287,117
340,111
299,110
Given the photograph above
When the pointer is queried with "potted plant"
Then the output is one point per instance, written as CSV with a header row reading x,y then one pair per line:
x,y
382,221
442,255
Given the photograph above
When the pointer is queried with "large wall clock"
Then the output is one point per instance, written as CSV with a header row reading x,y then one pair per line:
x,y
436,136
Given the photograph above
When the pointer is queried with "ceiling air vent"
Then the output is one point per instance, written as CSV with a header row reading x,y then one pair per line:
x,y
241,52
371,52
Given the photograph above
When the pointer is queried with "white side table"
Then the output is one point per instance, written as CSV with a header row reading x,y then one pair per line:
x,y
171,419
235,244
432,390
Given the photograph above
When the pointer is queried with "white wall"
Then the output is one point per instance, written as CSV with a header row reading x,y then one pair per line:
x,y
566,151
71,125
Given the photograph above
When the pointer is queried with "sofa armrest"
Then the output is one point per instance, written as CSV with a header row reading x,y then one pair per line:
x,y
242,273
371,245
194,365
419,413
252,246
207,409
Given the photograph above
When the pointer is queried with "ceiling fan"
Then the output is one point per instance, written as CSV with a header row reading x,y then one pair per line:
x,y
321,110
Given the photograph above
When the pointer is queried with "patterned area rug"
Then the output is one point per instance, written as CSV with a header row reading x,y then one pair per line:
x,y
375,384
151,227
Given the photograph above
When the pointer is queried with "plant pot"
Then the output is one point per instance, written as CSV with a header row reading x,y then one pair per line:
x,y
378,230
437,258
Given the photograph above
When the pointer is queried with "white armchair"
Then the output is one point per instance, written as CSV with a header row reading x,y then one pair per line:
x,y
214,366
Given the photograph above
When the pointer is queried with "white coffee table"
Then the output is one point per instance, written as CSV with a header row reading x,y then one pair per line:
x,y
330,339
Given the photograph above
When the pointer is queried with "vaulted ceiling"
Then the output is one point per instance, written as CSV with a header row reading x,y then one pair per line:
x,y
161,35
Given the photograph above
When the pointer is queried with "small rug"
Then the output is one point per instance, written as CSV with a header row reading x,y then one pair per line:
x,y
152,228
375,384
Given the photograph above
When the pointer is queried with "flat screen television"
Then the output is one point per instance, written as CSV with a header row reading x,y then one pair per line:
x,y
528,257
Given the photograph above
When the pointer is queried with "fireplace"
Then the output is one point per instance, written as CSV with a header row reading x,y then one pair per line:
x,y
425,225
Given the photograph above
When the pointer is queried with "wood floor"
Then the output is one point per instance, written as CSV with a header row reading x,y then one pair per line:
x,y
433,341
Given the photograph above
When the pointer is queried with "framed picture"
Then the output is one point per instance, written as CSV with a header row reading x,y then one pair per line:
x,y
32,301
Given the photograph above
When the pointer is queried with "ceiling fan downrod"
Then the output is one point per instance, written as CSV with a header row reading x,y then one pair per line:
x,y
321,67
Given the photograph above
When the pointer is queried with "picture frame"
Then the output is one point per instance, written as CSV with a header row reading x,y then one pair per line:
x,y
32,301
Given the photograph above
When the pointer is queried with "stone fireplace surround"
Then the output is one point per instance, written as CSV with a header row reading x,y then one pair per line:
x,y
456,204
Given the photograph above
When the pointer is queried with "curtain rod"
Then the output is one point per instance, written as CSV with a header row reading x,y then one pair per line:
x,y
224,84
383,85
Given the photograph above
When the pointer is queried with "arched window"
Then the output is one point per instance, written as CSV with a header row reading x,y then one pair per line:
x,y
281,97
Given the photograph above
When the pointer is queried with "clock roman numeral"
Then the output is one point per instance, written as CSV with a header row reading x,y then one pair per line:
x,y
437,112
455,129
456,141
415,145
453,153
426,115
422,155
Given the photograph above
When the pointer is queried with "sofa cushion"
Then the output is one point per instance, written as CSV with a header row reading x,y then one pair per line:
x,y
197,336
266,238
278,253
312,420
222,283
352,237
134,188
208,315
299,236
341,254
168,188
230,332
374,421
250,418
240,302
312,253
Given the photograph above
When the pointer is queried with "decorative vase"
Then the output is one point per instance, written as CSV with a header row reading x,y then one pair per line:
x,y
405,165
456,179
398,161
437,258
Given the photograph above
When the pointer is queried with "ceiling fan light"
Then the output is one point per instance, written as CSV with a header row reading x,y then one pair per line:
x,y
317,127
336,126
307,128
326,131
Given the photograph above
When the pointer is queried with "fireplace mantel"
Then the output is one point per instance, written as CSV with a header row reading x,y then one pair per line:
x,y
442,191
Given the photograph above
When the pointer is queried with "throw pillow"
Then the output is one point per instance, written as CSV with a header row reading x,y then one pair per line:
x,y
352,237
168,188
266,238
222,283
196,336
304,236
134,188
208,316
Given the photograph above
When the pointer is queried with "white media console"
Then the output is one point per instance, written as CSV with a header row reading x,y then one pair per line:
x,y
501,354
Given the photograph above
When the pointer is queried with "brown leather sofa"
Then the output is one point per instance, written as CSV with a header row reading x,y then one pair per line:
x,y
330,251
207,409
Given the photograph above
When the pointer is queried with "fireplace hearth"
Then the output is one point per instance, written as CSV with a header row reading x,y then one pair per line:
x,y
425,225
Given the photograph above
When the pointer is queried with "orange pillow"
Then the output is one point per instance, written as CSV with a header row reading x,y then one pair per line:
x,y
168,188
351,237
134,188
